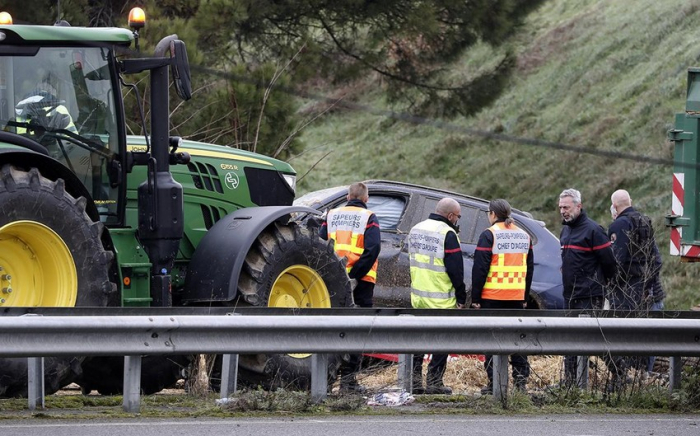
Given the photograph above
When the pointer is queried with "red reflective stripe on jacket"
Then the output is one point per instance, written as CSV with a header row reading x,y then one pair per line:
x,y
578,247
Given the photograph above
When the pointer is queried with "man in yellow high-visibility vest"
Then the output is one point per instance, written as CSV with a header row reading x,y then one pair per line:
x,y
355,232
437,280
42,111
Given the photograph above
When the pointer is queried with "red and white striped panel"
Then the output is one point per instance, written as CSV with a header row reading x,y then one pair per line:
x,y
677,209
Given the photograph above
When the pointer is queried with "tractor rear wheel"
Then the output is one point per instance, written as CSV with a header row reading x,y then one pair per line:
x,y
290,266
51,255
105,374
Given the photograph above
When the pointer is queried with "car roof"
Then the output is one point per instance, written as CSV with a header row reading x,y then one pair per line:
x,y
314,198
411,187
323,198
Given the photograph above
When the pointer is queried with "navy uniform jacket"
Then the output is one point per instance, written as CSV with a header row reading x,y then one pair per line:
x,y
633,277
588,262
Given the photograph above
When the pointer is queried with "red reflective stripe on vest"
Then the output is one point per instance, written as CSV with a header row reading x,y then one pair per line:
x,y
348,232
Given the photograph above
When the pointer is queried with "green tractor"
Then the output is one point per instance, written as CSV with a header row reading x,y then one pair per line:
x,y
90,216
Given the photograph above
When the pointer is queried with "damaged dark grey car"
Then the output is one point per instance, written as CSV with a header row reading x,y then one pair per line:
x,y
399,206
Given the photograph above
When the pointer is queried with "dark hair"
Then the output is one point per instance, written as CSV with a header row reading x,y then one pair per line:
x,y
502,210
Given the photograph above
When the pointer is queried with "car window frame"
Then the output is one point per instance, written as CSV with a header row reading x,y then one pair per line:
x,y
406,197
518,222
466,233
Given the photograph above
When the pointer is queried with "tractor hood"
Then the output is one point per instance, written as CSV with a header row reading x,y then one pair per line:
x,y
201,149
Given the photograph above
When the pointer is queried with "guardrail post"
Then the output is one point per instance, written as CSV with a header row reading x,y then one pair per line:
x,y
405,372
582,372
229,375
132,384
674,372
319,377
35,382
500,377
582,365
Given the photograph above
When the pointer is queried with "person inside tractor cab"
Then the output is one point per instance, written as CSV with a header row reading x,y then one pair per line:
x,y
41,111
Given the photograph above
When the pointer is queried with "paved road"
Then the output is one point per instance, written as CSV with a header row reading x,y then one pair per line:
x,y
551,425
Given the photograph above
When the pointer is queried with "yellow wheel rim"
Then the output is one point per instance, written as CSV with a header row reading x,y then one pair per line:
x,y
37,267
299,286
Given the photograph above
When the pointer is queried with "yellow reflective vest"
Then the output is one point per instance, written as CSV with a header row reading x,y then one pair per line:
x,y
431,287
346,226
57,115
508,270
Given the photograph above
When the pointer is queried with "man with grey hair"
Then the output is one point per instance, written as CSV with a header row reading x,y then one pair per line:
x,y
588,262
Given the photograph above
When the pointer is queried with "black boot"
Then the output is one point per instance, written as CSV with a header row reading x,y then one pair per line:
x,y
436,387
418,388
349,385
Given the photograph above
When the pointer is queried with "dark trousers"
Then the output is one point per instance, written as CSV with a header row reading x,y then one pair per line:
x,y
518,362
363,295
436,369
570,362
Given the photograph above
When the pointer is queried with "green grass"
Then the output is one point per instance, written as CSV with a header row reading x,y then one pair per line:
x,y
596,74
289,403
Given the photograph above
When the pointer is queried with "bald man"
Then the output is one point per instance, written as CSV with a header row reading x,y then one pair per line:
x,y
437,280
637,285
638,258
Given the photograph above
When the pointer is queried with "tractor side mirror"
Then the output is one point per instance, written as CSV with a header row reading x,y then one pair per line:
x,y
181,69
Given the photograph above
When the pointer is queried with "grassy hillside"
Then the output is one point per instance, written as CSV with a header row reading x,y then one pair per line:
x,y
596,74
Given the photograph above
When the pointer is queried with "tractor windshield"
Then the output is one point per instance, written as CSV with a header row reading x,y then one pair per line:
x,y
63,98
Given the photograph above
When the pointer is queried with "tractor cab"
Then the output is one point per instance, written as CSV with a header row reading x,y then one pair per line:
x,y
64,96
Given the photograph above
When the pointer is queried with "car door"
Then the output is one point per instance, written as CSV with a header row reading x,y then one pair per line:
x,y
393,273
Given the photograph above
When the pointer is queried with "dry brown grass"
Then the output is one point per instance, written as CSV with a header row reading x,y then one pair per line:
x,y
466,375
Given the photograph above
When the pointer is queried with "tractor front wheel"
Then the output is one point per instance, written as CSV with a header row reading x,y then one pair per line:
x,y
290,266
51,255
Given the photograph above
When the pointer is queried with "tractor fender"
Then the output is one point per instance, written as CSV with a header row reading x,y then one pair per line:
x,y
52,170
215,267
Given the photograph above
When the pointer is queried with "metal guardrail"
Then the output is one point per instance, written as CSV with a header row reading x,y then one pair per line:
x,y
133,336
31,336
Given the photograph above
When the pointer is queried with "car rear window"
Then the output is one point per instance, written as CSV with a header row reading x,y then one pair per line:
x,y
388,210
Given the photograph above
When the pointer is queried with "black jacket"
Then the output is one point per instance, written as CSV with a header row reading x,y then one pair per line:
x,y
636,279
482,265
373,243
588,262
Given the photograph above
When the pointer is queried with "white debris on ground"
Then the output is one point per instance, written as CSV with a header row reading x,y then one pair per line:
x,y
391,399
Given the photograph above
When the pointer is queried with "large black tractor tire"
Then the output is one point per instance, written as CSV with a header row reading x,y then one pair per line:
x,y
290,266
106,374
53,253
